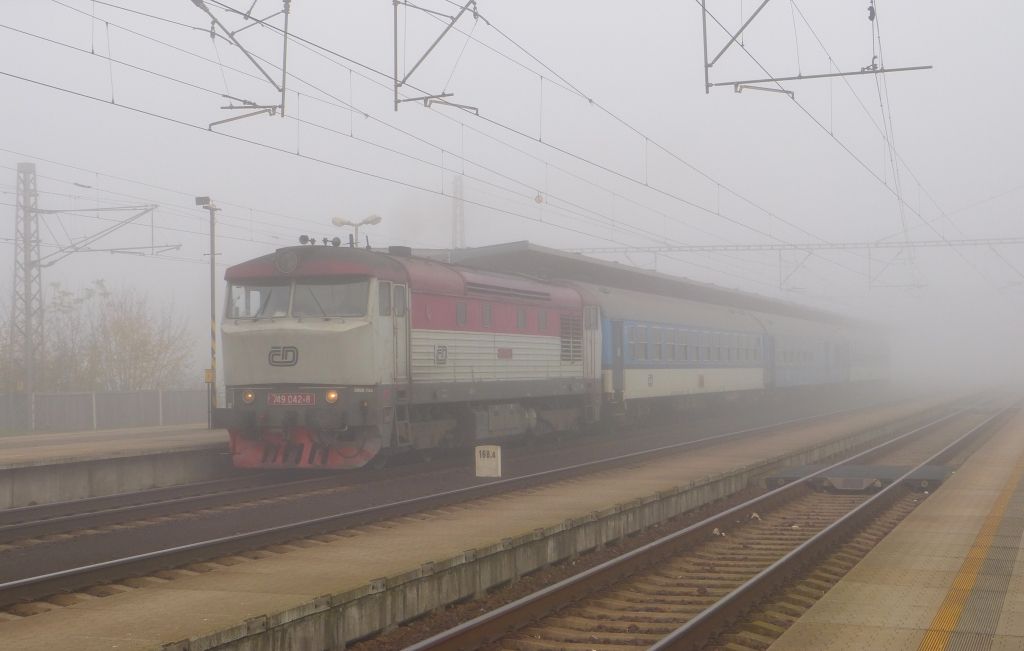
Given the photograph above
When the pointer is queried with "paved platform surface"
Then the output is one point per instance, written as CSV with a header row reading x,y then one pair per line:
x,y
193,604
950,576
64,447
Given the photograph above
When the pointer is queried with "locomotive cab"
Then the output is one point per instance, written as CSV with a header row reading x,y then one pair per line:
x,y
313,348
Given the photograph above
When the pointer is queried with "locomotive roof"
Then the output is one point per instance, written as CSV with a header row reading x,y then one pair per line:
x,y
422,273
546,263
318,261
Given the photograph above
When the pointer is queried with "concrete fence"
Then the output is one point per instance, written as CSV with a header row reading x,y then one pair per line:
x,y
72,412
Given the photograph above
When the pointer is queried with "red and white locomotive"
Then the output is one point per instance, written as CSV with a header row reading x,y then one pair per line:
x,y
334,355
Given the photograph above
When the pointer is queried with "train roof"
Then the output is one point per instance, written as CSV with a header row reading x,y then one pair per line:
x,y
551,264
521,269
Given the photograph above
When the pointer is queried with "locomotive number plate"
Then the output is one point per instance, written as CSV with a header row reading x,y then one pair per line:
x,y
289,399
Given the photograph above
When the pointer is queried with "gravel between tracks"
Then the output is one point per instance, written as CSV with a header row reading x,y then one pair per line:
x,y
424,627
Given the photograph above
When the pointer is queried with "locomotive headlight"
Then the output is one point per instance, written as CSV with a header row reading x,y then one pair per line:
x,y
331,396
248,397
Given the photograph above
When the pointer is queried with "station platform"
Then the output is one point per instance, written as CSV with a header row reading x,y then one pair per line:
x,y
68,447
950,576
205,606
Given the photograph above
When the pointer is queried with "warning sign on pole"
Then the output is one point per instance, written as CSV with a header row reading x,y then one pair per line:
x,y
488,461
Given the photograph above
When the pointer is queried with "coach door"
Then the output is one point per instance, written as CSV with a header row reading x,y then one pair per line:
x,y
401,333
403,429
591,342
618,359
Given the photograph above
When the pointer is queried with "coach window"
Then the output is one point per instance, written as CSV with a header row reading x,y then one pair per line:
x,y
384,293
520,318
656,343
640,351
631,338
485,315
671,337
460,314
400,303
684,338
542,320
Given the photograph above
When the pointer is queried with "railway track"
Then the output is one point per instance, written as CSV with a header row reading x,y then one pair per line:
x,y
687,589
37,586
30,525
34,522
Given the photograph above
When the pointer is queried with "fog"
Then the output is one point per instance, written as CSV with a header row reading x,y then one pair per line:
x,y
594,130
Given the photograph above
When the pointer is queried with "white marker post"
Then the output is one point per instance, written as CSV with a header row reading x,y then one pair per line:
x,y
488,461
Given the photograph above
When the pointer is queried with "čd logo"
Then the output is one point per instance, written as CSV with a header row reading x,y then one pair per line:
x,y
283,356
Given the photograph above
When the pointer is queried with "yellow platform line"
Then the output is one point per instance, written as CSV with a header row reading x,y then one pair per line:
x,y
944,623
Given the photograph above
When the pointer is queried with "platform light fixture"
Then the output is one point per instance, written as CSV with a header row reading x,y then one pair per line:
x,y
372,220
207,204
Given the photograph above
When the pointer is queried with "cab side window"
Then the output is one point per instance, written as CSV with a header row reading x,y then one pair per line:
x,y
384,292
400,300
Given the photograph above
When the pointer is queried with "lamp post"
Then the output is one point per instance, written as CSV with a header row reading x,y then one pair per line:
x,y
211,378
369,221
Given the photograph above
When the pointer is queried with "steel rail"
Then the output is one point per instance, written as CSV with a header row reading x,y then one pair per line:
x,y
501,621
117,569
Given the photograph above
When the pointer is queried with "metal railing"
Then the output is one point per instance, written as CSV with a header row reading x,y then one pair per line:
x,y
73,412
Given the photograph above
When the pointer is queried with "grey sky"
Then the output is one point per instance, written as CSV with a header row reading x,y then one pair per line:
x,y
957,128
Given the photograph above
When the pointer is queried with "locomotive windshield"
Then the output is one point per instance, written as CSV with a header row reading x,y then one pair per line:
x,y
257,301
347,297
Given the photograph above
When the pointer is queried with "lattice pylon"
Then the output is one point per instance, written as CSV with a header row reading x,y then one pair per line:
x,y
27,308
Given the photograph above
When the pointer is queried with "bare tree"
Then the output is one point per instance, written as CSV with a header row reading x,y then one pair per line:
x,y
134,347
112,340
